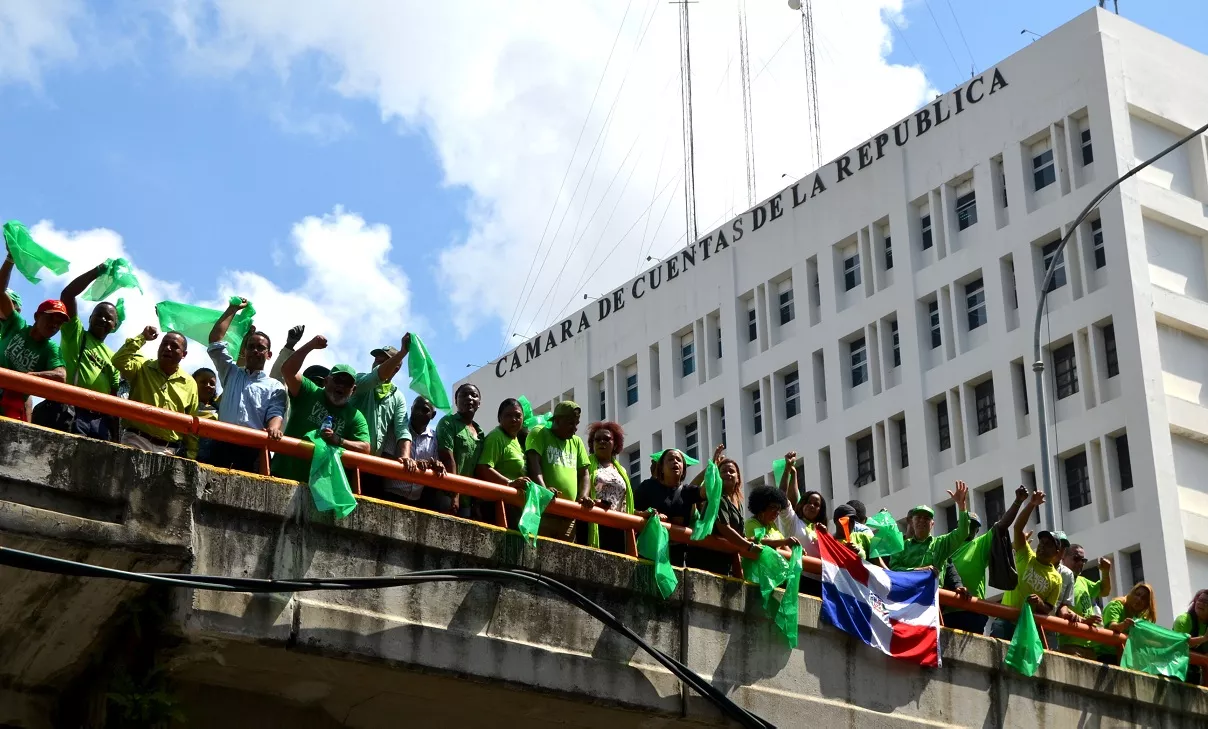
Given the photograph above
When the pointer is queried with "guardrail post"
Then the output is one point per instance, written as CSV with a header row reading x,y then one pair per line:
x,y
631,542
501,514
356,481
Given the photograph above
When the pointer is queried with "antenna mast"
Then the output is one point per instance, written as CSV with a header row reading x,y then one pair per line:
x,y
748,120
812,108
686,98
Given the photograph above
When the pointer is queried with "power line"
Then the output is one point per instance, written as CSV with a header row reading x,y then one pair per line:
x,y
902,35
944,38
961,30
565,175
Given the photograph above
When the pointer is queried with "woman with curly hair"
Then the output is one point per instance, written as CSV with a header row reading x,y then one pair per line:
x,y
608,483
1120,614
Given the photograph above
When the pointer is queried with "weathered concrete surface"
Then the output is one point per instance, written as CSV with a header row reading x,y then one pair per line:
x,y
475,654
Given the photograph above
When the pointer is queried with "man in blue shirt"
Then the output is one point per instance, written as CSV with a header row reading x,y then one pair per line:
x,y
249,396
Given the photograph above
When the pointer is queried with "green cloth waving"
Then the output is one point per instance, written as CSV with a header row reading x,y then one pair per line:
x,y
654,543
532,422
116,273
536,498
887,539
702,526
195,322
786,614
425,380
1154,649
328,482
1026,651
28,256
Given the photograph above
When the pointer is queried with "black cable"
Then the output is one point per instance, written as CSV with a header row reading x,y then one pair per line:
x,y
53,565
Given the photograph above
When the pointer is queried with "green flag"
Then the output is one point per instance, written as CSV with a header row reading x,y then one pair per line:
x,y
424,378
532,422
769,571
786,614
1026,651
654,543
195,322
28,256
1154,649
887,539
328,482
688,460
536,498
703,526
777,472
116,273
120,308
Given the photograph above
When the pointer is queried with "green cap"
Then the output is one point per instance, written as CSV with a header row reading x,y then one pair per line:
x,y
567,407
343,369
923,508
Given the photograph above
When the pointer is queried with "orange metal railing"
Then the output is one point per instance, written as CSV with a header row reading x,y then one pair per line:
x,y
191,425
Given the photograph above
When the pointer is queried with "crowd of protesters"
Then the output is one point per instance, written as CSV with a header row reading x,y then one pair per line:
x,y
366,413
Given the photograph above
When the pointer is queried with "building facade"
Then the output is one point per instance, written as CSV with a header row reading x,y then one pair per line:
x,y
876,316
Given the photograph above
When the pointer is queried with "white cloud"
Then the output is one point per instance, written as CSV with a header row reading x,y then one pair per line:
x,y
350,292
502,89
34,35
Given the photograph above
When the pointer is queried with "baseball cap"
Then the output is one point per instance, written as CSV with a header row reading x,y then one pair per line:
x,y
974,518
1057,536
53,306
567,407
923,508
343,369
315,373
385,351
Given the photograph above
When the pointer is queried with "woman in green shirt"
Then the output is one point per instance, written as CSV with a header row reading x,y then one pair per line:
x,y
608,483
1194,622
502,457
458,439
1121,613
765,504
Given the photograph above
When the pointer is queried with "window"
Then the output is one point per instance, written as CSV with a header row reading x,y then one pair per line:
x,y
752,327
1059,272
950,516
1044,171
851,272
987,416
1088,154
859,362
1077,481
787,311
603,404
864,467
631,388
1136,567
724,442
719,342
941,422
691,440
687,355
1097,243
926,222
1124,461
888,253
966,210
792,395
1065,371
933,313
996,505
897,349
757,412
1109,349
975,303
635,463
903,450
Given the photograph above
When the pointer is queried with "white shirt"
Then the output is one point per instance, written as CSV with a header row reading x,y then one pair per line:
x,y
791,525
423,446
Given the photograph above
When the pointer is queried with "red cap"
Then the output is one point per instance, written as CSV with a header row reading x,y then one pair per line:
x,y
52,306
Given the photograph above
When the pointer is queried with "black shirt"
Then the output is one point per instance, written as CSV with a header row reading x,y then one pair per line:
x,y
676,504
720,563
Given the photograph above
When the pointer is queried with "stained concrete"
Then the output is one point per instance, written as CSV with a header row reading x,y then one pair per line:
x,y
473,653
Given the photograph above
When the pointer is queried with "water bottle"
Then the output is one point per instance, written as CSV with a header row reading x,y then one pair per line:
x,y
327,423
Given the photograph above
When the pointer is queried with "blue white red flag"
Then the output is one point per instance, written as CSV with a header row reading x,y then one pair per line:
x,y
897,613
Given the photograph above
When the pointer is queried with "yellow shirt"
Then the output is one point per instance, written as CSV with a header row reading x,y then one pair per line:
x,y
150,385
1034,578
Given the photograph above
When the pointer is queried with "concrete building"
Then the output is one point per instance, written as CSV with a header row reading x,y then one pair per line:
x,y
876,316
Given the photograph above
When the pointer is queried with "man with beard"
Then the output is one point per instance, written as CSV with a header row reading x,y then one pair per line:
x,y
160,382
310,405
249,396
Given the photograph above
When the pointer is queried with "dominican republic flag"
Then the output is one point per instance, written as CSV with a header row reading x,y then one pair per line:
x,y
895,612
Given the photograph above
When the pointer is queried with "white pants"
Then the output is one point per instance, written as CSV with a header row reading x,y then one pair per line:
x,y
135,439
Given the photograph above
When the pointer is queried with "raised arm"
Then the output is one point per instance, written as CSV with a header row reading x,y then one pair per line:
x,y
291,340
718,452
1018,540
388,369
127,359
1004,522
293,366
218,333
788,479
1105,577
77,286
947,544
6,304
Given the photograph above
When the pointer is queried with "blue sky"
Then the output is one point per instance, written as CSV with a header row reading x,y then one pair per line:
x,y
272,149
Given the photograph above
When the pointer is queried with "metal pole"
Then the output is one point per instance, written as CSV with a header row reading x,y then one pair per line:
x,y
1046,479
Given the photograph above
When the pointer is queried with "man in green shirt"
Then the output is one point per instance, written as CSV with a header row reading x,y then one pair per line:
x,y
923,550
1082,604
26,348
971,562
557,459
385,409
310,405
458,443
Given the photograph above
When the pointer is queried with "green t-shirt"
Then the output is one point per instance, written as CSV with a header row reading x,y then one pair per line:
x,y
307,410
1113,612
971,562
453,434
96,371
503,453
561,460
1083,603
21,353
753,529
932,551
1034,578
1182,624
